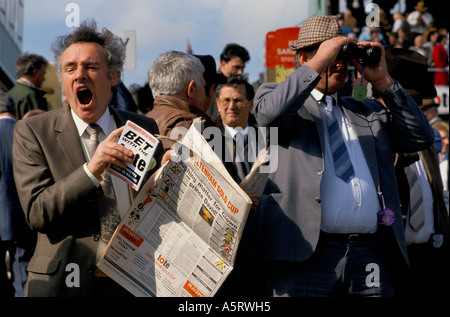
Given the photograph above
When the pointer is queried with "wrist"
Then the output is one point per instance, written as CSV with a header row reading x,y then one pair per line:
x,y
392,88
318,65
383,84
94,172
94,179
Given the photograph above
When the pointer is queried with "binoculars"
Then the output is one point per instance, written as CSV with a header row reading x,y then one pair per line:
x,y
365,55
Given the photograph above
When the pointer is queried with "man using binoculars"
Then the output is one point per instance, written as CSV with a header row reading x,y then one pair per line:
x,y
329,220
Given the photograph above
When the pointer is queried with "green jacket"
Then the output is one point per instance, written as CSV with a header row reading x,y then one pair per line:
x,y
27,98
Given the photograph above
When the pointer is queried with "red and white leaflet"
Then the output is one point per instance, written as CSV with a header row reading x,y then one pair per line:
x,y
143,144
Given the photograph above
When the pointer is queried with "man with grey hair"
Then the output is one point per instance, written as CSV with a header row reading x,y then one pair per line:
x,y
177,83
30,71
59,168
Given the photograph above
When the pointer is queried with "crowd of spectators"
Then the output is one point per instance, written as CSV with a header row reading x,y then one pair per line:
x,y
419,27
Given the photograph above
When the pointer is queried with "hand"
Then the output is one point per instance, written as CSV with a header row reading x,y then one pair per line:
x,y
166,157
255,200
327,53
377,75
109,152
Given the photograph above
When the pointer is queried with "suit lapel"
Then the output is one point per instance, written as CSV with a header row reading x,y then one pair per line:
x,y
313,108
118,117
68,139
68,134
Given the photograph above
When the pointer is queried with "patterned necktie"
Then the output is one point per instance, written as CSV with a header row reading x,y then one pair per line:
x,y
416,208
342,164
109,215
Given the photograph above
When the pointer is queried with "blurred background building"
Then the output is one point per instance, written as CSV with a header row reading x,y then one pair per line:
x,y
11,33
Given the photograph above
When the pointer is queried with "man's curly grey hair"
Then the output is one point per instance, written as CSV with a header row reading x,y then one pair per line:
x,y
87,33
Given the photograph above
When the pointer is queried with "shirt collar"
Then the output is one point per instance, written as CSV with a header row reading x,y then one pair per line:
x,y
103,122
233,131
25,81
318,96
7,118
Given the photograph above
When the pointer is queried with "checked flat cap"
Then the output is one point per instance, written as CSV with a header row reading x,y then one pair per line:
x,y
316,30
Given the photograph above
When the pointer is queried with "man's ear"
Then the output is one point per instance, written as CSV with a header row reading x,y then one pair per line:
x,y
302,57
115,78
190,88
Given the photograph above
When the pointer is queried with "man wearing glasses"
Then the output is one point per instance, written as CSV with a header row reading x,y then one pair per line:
x,y
235,102
233,59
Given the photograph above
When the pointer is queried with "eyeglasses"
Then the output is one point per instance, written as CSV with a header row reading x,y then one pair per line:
x,y
238,101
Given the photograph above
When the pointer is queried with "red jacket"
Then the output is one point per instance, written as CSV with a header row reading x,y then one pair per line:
x,y
440,58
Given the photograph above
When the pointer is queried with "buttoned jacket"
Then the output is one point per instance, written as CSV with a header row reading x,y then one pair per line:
x,y
60,200
286,224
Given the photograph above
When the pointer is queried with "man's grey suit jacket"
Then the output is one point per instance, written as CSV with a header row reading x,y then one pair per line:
x,y
286,224
59,199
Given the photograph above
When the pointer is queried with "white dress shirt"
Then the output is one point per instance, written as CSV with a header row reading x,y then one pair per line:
x,y
107,123
233,131
240,155
347,207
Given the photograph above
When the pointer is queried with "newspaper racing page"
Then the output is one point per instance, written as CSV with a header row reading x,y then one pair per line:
x,y
180,236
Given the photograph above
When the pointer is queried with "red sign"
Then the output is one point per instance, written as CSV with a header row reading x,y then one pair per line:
x,y
271,49
278,52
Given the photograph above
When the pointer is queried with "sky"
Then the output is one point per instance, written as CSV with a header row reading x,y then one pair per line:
x,y
164,25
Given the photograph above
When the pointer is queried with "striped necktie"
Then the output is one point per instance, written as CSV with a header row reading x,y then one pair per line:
x,y
108,212
416,208
342,163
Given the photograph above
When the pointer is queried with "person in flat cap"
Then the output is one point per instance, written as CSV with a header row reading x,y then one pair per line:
x,y
332,205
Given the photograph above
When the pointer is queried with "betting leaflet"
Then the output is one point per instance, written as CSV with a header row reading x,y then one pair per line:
x,y
143,144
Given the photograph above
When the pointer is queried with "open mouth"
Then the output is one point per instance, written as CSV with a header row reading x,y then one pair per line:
x,y
84,96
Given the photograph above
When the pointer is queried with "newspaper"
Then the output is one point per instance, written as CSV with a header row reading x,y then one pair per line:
x,y
255,181
181,234
143,144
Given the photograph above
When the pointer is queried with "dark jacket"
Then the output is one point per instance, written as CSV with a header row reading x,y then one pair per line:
x,y
27,98
243,167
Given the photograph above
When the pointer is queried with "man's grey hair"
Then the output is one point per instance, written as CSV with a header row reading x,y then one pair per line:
x,y
7,103
87,33
172,70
